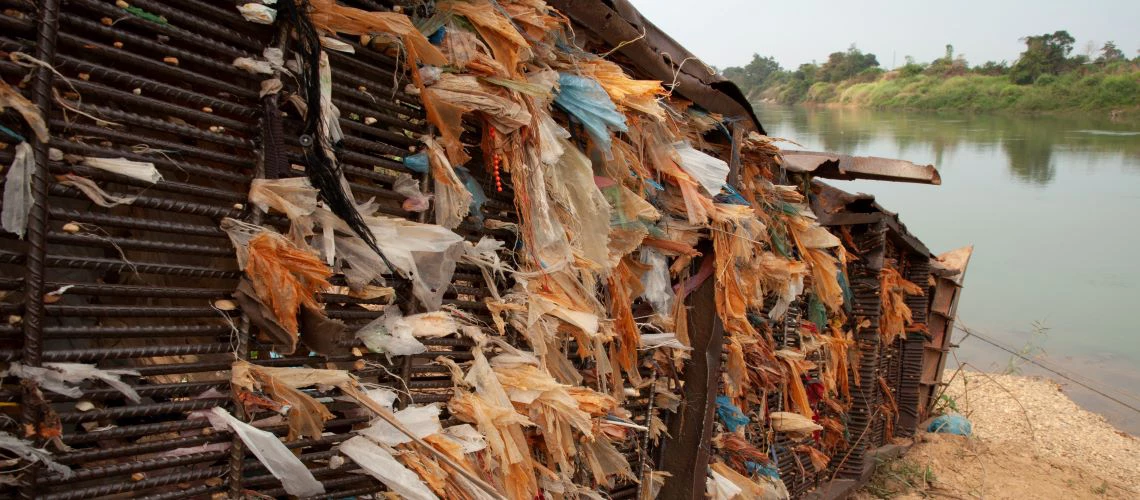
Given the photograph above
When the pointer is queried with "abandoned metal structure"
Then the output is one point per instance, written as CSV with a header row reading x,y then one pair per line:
x,y
147,286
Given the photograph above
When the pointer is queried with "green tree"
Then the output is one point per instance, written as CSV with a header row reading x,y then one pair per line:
x,y
991,68
843,65
948,65
1044,54
1110,54
756,75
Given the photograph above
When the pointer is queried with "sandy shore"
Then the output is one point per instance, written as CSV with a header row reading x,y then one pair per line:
x,y
1030,441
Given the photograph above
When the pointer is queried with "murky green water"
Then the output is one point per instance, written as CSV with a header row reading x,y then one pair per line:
x,y
1052,205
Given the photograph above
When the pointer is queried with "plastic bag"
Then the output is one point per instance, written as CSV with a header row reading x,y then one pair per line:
x,y
425,253
658,286
416,200
93,191
709,171
391,335
27,452
293,196
583,208
257,13
453,200
380,464
141,170
61,378
729,414
18,191
417,163
478,196
951,423
272,453
794,424
422,421
587,101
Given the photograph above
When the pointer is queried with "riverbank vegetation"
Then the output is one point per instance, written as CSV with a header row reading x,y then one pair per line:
x,y
1046,77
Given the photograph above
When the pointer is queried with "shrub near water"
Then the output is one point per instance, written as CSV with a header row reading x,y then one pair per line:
x,y
1044,78
985,93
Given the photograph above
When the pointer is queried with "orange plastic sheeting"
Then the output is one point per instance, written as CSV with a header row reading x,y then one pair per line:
x,y
505,41
285,278
332,17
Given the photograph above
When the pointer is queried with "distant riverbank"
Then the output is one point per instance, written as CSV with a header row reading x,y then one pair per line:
x,y
1114,93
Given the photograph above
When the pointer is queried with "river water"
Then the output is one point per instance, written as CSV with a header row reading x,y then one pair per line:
x,y
1052,207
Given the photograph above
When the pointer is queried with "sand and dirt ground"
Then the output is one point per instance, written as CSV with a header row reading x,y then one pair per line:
x,y
1030,441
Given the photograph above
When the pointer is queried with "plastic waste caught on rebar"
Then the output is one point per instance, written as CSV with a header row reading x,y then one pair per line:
x,y
586,101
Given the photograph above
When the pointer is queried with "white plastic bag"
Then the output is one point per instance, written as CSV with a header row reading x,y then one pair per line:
x,y
61,378
18,191
27,452
272,453
709,171
425,253
257,13
390,334
141,170
422,421
658,286
380,464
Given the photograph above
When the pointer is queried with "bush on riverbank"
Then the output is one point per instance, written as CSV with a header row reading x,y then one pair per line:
x,y
1044,78
1113,88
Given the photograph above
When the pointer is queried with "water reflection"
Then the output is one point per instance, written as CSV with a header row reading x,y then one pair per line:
x,y
1049,203
1028,143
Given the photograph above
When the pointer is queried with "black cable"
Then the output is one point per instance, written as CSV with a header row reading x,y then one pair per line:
x,y
323,172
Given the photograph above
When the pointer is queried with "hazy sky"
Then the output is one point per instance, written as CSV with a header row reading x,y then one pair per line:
x,y
727,32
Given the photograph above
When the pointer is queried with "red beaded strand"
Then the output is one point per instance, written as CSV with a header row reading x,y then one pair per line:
x,y
496,161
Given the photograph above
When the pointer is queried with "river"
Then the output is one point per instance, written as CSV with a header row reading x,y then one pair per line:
x,y
1051,204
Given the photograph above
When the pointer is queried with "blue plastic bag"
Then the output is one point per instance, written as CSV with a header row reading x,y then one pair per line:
x,y
417,162
588,102
952,423
478,197
729,414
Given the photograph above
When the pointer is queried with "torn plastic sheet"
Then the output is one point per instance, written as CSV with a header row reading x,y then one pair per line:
x,y
18,191
452,196
709,171
423,421
794,424
587,101
425,253
331,43
380,464
657,283
417,162
26,451
293,196
257,13
656,340
61,378
581,205
719,487
253,66
469,439
93,191
390,334
141,170
408,187
272,453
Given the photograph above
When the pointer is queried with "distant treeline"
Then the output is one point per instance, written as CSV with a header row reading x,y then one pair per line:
x,y
1046,77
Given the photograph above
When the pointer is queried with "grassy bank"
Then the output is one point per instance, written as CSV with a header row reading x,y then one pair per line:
x,y
1111,89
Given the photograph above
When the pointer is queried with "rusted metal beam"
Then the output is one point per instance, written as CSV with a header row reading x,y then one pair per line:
x,y
686,453
847,167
